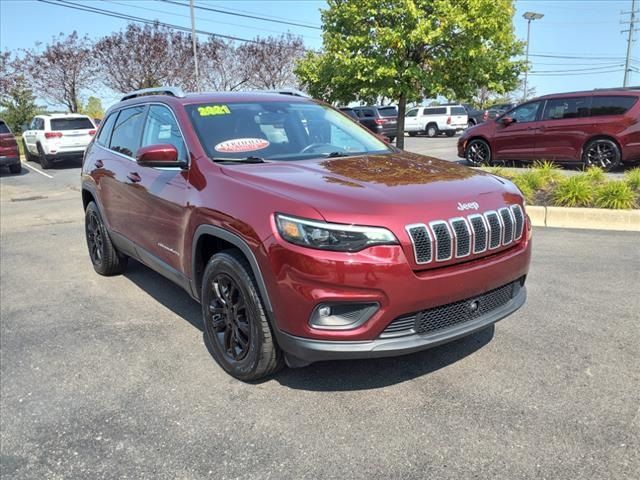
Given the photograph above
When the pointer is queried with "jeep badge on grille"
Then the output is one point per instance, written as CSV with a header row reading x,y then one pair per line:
x,y
468,206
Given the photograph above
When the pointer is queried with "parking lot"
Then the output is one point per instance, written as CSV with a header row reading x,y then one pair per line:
x,y
110,377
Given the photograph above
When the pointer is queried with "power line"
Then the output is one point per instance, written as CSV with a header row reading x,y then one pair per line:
x,y
592,69
155,10
254,17
132,18
569,57
262,14
569,74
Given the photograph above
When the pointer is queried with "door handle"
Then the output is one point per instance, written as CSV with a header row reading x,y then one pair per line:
x,y
134,177
99,164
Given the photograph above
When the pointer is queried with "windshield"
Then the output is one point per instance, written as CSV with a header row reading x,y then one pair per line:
x,y
279,131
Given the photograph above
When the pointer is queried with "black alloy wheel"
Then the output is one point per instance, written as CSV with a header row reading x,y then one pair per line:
x,y
478,153
105,258
601,153
228,323
94,238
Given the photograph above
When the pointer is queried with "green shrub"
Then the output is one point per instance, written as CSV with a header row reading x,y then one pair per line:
x,y
574,191
632,177
528,193
548,171
595,175
615,194
498,172
532,178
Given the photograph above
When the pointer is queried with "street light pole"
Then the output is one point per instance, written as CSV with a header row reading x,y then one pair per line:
x,y
529,16
194,40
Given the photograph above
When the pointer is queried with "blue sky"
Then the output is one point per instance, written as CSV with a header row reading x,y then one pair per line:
x,y
588,31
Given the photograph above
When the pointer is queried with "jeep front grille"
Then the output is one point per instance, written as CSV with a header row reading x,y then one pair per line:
x,y
451,314
441,240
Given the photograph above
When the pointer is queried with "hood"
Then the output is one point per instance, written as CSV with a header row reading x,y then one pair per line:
x,y
369,189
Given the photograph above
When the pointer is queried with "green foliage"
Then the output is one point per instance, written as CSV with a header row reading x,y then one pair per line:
x,y
18,105
93,108
632,177
573,191
595,175
532,178
498,172
548,171
615,194
409,49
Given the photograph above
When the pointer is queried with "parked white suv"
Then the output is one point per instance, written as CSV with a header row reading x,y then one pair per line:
x,y
433,121
50,138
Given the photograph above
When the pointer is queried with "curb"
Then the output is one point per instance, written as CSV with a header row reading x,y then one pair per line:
x,y
587,218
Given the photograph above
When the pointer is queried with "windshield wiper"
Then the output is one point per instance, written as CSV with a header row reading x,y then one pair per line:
x,y
249,159
338,154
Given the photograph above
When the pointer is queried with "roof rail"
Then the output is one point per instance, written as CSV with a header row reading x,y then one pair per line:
x,y
172,91
285,91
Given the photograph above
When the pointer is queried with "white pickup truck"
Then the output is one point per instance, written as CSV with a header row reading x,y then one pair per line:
x,y
433,121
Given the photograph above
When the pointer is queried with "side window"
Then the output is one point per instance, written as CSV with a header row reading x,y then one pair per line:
x,y
127,131
561,108
38,124
525,113
435,111
32,125
105,130
367,112
161,127
611,105
412,113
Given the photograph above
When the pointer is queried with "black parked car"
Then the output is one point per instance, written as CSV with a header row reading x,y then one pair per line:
x,y
496,110
351,112
380,120
475,116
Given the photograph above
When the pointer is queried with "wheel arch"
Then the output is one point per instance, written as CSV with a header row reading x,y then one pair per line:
x,y
599,136
209,240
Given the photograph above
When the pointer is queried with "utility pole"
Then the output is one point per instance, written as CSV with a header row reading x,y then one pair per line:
x,y
632,30
529,16
194,40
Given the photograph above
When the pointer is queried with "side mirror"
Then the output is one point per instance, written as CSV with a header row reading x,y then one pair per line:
x,y
160,155
506,121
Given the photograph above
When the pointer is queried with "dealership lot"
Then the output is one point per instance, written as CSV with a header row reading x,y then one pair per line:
x,y
110,378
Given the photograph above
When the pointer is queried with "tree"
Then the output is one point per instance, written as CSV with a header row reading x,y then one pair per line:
x,y
62,70
93,108
269,64
221,66
411,49
144,57
18,105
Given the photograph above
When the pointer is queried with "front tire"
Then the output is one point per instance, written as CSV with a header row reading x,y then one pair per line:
x,y
235,320
603,153
478,153
105,258
432,130
15,168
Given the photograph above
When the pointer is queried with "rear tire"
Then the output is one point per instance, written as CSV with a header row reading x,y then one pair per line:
x,y
105,258
235,321
603,153
15,168
432,130
27,154
478,153
44,162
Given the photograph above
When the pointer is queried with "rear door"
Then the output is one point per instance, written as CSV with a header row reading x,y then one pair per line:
x,y
75,132
388,118
564,127
368,118
517,141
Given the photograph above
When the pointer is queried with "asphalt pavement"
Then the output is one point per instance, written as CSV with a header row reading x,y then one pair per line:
x,y
107,378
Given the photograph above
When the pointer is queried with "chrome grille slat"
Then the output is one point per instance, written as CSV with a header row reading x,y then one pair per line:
x,y
459,237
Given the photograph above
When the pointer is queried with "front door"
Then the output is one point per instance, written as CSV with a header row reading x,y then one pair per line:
x,y
411,121
517,140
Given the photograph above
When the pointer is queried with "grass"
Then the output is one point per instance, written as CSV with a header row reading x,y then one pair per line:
x,y
632,177
615,194
595,175
574,191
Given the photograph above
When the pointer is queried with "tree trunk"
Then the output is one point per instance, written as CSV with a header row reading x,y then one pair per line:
x,y
402,107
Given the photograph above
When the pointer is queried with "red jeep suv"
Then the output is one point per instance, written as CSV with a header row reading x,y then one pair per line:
x,y
303,236
9,154
598,128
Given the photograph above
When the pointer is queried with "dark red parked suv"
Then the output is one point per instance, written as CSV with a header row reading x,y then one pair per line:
x,y
597,128
303,235
9,154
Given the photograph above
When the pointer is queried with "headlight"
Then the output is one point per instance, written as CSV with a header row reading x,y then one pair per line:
x,y
332,236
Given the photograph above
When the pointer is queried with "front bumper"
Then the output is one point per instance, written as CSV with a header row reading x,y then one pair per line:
x,y
306,350
9,160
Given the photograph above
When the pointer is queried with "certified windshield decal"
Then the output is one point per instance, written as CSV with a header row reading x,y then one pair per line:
x,y
210,110
239,145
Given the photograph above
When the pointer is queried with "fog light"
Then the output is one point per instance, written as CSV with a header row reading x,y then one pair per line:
x,y
342,316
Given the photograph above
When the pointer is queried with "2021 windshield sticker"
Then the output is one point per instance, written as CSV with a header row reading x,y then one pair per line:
x,y
210,110
240,145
